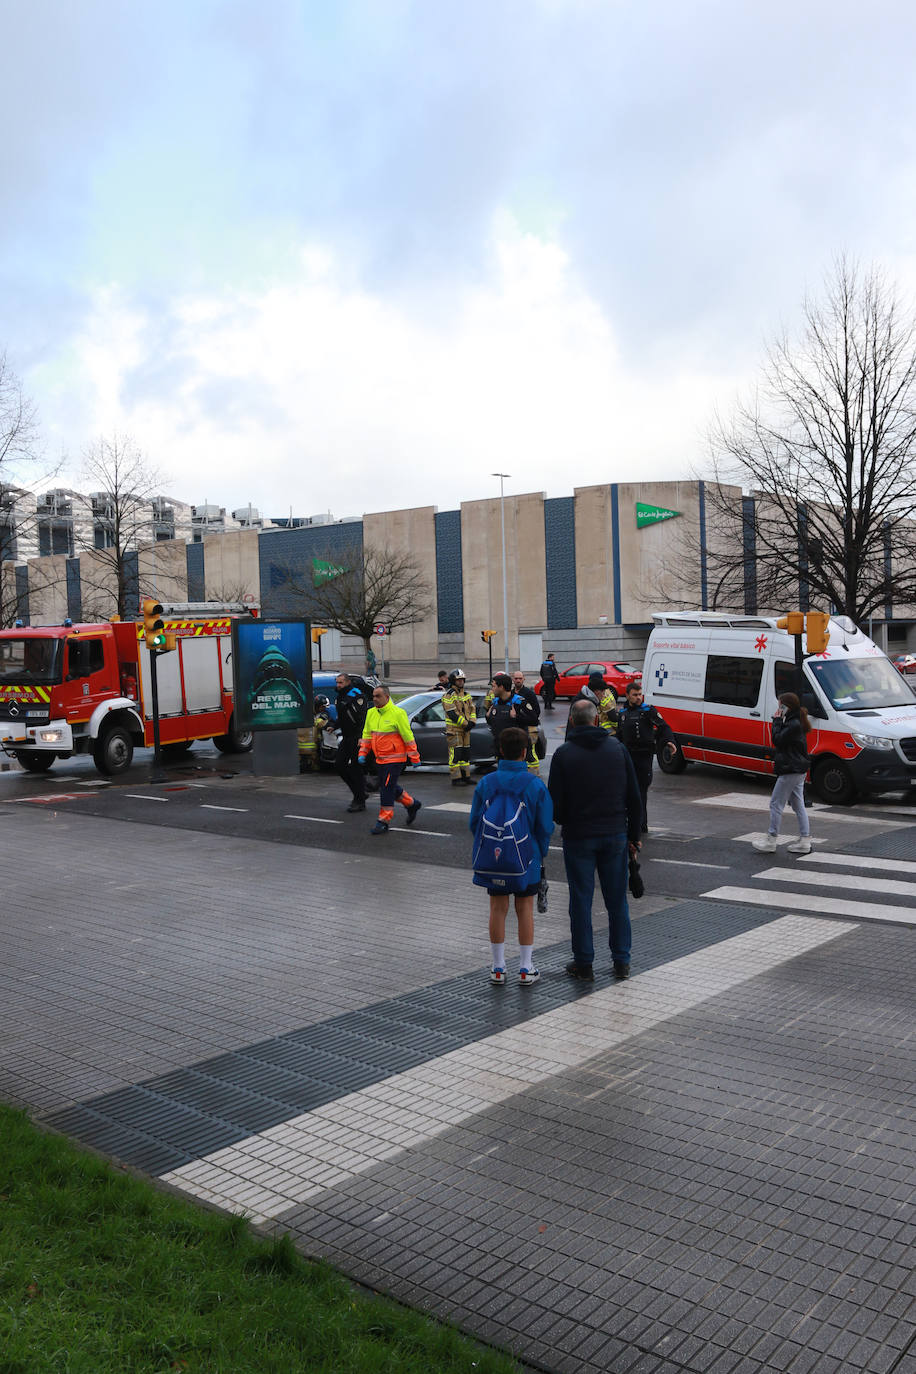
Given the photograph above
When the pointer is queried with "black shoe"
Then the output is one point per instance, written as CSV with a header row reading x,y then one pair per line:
x,y
456,782
380,828
621,971
469,781
583,972
412,810
356,805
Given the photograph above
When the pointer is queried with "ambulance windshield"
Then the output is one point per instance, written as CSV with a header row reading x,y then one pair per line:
x,y
851,684
29,660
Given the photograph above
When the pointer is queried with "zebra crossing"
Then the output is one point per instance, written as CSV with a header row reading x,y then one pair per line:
x,y
827,884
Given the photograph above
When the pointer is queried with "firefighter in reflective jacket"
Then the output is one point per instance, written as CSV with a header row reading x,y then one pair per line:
x,y
460,715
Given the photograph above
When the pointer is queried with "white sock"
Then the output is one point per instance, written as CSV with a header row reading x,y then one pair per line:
x,y
498,954
526,956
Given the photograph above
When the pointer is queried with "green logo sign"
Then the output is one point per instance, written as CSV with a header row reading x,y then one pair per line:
x,y
652,515
323,571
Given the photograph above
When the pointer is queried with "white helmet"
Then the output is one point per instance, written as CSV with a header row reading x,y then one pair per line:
x,y
456,675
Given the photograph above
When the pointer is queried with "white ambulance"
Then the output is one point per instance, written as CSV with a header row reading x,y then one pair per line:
x,y
716,680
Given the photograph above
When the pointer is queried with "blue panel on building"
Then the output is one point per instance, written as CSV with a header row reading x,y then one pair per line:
x,y
132,584
449,572
74,590
197,582
22,594
749,538
560,544
286,559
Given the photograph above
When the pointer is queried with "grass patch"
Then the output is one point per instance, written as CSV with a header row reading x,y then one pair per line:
x,y
100,1273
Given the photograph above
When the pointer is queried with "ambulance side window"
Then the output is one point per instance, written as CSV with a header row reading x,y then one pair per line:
x,y
733,681
783,678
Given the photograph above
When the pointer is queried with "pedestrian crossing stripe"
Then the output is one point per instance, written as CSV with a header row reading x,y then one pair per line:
x,y
814,903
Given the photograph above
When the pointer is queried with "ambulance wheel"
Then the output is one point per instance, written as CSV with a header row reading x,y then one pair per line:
x,y
34,762
234,741
113,751
832,783
677,764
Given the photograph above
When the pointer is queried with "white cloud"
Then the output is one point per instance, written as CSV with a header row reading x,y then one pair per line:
x,y
319,395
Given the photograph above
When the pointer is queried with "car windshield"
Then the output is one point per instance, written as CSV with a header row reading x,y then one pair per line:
x,y
29,660
855,683
411,704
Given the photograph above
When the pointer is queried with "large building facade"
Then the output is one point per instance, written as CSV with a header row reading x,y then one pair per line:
x,y
584,572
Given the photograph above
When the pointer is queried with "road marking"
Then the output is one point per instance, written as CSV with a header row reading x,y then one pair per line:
x,y
451,806
143,796
268,1172
851,882
321,820
50,798
895,810
437,834
209,806
743,802
687,863
807,901
859,861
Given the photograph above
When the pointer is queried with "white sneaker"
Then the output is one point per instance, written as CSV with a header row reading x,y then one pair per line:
x,y
528,975
801,846
766,844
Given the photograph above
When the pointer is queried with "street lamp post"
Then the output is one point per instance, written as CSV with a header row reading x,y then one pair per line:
x,y
502,516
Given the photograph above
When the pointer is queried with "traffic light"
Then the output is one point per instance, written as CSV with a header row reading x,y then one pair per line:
x,y
317,632
793,621
817,635
487,635
157,640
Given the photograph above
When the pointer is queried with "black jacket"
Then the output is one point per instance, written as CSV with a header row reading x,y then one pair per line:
x,y
499,716
594,788
791,751
352,706
642,729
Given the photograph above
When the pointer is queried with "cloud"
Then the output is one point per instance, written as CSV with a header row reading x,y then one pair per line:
x,y
339,399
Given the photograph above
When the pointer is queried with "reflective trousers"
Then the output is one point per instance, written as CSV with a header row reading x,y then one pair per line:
x,y
458,738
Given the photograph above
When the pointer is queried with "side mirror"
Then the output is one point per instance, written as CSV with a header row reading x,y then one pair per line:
x,y
813,706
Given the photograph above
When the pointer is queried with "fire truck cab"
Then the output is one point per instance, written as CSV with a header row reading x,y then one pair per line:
x,y
73,689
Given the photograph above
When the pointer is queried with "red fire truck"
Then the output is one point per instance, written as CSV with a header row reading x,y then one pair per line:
x,y
76,689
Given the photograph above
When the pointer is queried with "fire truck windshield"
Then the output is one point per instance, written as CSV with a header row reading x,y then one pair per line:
x,y
29,660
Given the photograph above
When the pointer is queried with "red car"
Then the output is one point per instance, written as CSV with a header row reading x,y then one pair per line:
x,y
572,680
904,663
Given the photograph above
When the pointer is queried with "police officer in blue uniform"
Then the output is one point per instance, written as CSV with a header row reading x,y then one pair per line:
x,y
353,702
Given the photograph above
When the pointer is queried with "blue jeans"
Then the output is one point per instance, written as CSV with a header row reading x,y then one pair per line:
x,y
608,855
790,787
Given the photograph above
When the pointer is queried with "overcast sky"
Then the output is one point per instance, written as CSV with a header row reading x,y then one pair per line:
x,y
325,254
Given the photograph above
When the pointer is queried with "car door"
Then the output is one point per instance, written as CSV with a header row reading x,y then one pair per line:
x,y
572,680
428,727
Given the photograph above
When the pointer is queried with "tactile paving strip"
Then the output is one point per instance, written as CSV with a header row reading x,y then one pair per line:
x,y
898,844
177,1117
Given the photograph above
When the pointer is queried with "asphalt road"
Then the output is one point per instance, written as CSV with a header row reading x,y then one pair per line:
x,y
701,822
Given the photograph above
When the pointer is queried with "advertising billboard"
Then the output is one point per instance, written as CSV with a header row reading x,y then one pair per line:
x,y
272,674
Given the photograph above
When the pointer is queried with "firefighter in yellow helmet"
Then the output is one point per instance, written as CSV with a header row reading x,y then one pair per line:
x,y
460,715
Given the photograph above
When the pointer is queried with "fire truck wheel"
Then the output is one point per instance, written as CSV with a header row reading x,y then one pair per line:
x,y
34,762
113,750
234,741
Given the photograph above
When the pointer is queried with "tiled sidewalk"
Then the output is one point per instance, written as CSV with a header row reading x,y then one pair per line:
x,y
710,1167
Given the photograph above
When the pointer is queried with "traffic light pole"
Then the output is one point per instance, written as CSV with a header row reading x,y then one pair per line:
x,y
799,667
490,651
157,773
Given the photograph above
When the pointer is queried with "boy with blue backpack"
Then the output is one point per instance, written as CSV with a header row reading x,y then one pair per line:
x,y
512,822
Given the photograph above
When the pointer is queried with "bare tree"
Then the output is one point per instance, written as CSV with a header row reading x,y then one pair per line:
x,y
354,591
19,450
827,449
121,485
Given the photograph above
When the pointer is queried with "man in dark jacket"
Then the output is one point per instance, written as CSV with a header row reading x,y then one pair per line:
x,y
641,729
353,702
508,708
549,675
596,800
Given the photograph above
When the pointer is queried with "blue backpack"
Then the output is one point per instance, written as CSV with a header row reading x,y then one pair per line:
x,y
503,849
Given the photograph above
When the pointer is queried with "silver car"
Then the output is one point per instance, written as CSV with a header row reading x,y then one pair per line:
x,y
427,721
